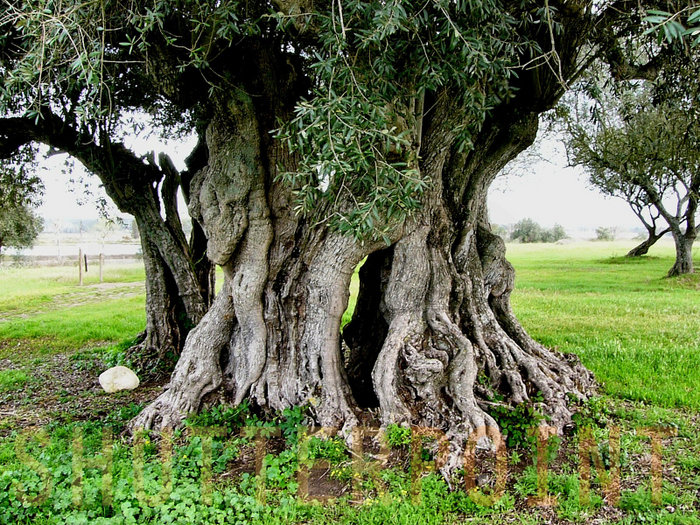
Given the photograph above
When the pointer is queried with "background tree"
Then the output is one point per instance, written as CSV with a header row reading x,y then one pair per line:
x,y
605,233
527,230
20,194
19,226
333,132
608,183
648,152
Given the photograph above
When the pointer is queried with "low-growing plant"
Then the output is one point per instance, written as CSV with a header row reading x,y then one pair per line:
x,y
228,417
397,435
12,380
516,423
333,449
291,421
281,469
595,412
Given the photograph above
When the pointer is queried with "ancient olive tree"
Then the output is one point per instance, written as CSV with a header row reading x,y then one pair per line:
x,y
338,133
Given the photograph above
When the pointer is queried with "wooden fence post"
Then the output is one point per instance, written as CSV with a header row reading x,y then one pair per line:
x,y
102,260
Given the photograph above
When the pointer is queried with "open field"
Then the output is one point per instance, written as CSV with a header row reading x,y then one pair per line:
x,y
639,333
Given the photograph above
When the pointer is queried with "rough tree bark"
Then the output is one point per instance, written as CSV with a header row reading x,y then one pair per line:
x,y
432,313
684,253
286,284
437,307
681,223
179,277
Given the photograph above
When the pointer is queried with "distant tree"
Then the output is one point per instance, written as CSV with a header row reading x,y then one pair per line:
x,y
19,227
500,230
605,233
527,230
20,194
555,233
645,148
610,184
645,211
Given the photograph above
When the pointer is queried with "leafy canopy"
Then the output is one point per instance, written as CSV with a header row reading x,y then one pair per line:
x,y
20,194
370,69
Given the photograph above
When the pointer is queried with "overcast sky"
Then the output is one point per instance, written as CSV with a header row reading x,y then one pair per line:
x,y
62,199
549,192
546,191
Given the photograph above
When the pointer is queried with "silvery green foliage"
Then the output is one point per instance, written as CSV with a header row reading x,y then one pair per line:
x,y
358,134
372,68
683,25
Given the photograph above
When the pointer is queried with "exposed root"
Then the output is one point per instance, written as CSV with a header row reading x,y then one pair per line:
x,y
197,372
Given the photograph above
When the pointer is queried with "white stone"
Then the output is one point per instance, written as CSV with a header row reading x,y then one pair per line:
x,y
118,378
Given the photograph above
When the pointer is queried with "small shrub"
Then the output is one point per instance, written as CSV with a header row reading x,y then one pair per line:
x,y
595,412
292,420
398,436
228,417
605,234
500,230
332,449
516,423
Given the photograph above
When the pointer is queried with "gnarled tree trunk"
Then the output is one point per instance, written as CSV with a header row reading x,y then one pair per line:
x,y
684,253
643,247
168,320
433,311
179,276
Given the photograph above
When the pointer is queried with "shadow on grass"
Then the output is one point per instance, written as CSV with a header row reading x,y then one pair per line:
x,y
623,259
688,281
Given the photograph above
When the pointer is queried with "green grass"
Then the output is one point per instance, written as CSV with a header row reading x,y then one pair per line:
x,y
12,380
45,311
52,332
635,329
26,288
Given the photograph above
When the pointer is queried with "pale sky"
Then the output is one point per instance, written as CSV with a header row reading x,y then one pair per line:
x,y
549,192
545,191
61,203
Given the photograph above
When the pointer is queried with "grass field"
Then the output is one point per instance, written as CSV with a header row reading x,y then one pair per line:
x,y
636,330
45,310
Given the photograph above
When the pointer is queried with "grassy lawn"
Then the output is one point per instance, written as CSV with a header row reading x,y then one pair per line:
x,y
44,311
638,332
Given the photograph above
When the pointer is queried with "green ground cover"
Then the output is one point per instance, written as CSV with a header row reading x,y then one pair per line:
x,y
635,329
44,311
638,331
